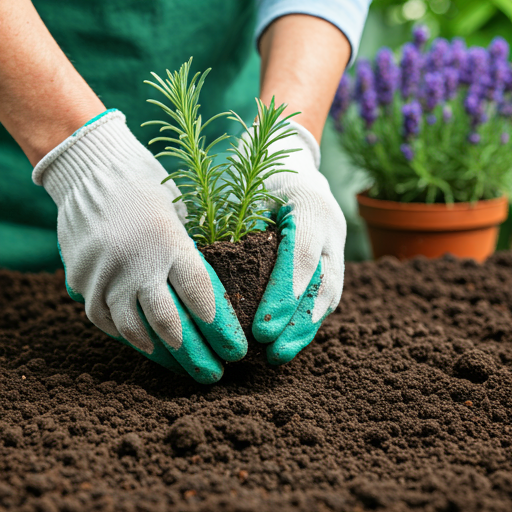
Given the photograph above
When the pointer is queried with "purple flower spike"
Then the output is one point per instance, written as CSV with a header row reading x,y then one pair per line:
x,y
420,36
458,54
434,90
341,100
447,113
477,66
364,78
368,108
451,82
386,76
498,49
473,100
473,103
474,138
365,92
439,55
505,137
475,106
407,151
498,79
412,117
410,68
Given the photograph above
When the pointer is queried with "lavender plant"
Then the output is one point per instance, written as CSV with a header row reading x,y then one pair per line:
x,y
219,209
433,127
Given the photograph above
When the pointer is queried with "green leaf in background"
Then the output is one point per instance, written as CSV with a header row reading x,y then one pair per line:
x,y
505,6
473,16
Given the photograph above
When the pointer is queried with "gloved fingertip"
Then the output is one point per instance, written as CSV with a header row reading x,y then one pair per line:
x,y
207,376
263,334
266,328
201,365
232,352
279,354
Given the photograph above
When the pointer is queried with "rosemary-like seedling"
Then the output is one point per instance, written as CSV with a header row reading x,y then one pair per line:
x,y
251,165
219,209
208,218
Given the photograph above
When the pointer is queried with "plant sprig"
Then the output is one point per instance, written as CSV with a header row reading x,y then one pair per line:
x,y
208,216
219,209
251,165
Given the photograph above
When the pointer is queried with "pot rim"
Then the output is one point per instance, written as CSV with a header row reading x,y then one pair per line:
x,y
385,204
432,217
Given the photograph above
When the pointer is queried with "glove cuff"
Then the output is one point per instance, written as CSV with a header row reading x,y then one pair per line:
x,y
105,143
105,117
306,141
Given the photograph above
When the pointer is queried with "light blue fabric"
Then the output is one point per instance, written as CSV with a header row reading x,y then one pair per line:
x,y
348,15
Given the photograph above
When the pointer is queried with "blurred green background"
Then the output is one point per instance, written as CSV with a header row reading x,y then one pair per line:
x,y
390,24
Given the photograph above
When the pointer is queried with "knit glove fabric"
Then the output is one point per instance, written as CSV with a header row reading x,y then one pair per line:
x,y
127,254
307,280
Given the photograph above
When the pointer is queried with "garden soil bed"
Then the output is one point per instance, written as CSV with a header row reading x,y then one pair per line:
x,y
403,402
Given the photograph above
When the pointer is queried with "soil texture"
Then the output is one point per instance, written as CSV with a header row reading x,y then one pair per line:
x,y
244,269
402,402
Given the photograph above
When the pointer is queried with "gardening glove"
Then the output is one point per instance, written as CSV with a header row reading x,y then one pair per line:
x,y
307,280
128,257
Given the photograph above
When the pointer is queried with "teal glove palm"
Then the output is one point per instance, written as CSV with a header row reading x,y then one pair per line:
x,y
307,281
128,256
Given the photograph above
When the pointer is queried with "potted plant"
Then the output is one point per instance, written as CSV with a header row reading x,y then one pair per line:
x,y
228,206
433,133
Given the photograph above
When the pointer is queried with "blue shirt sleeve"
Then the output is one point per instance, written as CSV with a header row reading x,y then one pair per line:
x,y
348,15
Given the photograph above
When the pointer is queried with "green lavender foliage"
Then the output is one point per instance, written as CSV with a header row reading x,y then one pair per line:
x,y
218,209
445,168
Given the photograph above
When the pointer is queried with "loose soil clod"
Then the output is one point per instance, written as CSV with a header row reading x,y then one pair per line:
x,y
374,415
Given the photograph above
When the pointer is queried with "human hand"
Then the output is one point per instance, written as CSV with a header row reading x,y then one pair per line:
x,y
127,254
307,280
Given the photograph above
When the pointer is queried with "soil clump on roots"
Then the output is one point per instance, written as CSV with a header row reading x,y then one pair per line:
x,y
403,401
244,269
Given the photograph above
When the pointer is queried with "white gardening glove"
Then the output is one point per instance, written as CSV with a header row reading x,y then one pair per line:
x,y
128,256
307,281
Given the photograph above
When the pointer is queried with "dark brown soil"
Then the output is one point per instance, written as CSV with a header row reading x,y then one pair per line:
x,y
244,269
403,402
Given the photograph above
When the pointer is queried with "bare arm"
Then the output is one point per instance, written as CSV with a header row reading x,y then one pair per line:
x,y
302,60
43,99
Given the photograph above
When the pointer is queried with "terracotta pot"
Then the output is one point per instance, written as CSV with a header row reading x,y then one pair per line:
x,y
406,230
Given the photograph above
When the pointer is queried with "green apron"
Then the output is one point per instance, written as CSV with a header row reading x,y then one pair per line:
x,y
114,45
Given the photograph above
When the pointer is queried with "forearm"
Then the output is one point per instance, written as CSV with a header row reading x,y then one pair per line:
x,y
43,99
302,60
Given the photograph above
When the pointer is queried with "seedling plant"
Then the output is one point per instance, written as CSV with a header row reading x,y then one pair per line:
x,y
219,209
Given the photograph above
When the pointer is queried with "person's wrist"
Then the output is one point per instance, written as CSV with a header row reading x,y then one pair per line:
x,y
48,132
